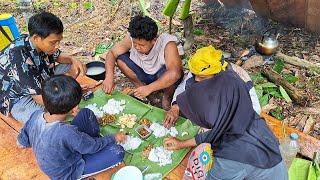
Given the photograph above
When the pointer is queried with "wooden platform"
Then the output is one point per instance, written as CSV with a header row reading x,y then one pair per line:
x,y
20,164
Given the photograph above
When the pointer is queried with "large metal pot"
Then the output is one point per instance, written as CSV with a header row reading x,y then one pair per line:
x,y
269,43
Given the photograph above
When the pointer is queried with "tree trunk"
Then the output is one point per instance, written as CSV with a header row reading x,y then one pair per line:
x,y
188,32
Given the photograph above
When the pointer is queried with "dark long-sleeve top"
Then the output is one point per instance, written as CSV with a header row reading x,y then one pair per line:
x,y
223,104
58,146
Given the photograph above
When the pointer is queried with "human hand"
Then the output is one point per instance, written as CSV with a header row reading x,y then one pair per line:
x,y
87,87
120,137
108,85
128,91
78,67
142,92
172,143
171,116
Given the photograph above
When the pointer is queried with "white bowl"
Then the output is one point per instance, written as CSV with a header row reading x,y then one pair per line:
x,y
128,171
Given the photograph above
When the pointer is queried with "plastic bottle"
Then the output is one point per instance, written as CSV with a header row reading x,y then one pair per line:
x,y
289,148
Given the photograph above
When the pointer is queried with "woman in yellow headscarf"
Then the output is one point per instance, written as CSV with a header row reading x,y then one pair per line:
x,y
204,64
217,97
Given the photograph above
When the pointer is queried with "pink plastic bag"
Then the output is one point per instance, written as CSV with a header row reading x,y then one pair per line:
x,y
199,163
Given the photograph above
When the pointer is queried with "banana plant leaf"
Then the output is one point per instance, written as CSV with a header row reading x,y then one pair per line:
x,y
154,114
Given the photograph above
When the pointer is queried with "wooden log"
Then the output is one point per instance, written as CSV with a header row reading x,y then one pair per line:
x,y
302,123
308,110
298,62
308,144
293,92
309,124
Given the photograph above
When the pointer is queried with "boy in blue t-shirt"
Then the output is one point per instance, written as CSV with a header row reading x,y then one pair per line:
x,y
69,151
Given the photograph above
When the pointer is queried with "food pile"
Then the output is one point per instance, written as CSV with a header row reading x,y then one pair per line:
x,y
127,120
107,119
143,131
160,155
95,109
160,131
112,107
131,143
146,151
145,122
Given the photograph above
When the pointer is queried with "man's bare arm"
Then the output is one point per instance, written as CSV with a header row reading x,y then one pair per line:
x,y
174,68
110,59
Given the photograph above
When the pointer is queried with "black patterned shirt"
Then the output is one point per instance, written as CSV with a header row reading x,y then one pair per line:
x,y
22,70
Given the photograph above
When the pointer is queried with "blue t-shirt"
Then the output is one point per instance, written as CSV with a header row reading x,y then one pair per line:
x,y
58,146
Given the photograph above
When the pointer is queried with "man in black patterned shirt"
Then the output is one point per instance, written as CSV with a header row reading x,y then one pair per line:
x,y
30,60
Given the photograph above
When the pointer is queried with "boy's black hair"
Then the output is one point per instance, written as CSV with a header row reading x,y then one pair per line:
x,y
61,94
44,24
143,27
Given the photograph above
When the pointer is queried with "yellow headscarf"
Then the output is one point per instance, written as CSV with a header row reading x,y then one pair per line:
x,y
206,61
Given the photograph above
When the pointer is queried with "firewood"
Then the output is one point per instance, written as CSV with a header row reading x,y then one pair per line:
x,y
298,62
293,122
302,123
309,124
297,95
308,110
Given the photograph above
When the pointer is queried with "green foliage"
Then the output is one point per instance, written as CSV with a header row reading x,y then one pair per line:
x,y
277,113
257,78
102,48
24,29
57,4
88,5
143,7
185,10
268,85
290,78
264,100
198,32
114,2
73,5
285,95
278,66
170,8
265,90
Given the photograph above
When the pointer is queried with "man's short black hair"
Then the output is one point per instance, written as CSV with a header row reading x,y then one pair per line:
x,y
143,27
61,94
44,24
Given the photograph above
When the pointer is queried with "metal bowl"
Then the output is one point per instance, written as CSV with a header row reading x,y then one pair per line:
x,y
96,70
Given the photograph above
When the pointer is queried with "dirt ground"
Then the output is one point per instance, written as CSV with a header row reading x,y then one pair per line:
x,y
89,23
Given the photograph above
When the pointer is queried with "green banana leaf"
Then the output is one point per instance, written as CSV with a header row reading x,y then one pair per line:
x,y
154,114
170,8
185,11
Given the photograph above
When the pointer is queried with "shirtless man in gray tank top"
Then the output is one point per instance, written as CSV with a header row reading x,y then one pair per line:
x,y
149,60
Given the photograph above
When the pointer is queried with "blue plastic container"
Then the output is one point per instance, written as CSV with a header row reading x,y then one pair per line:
x,y
9,25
